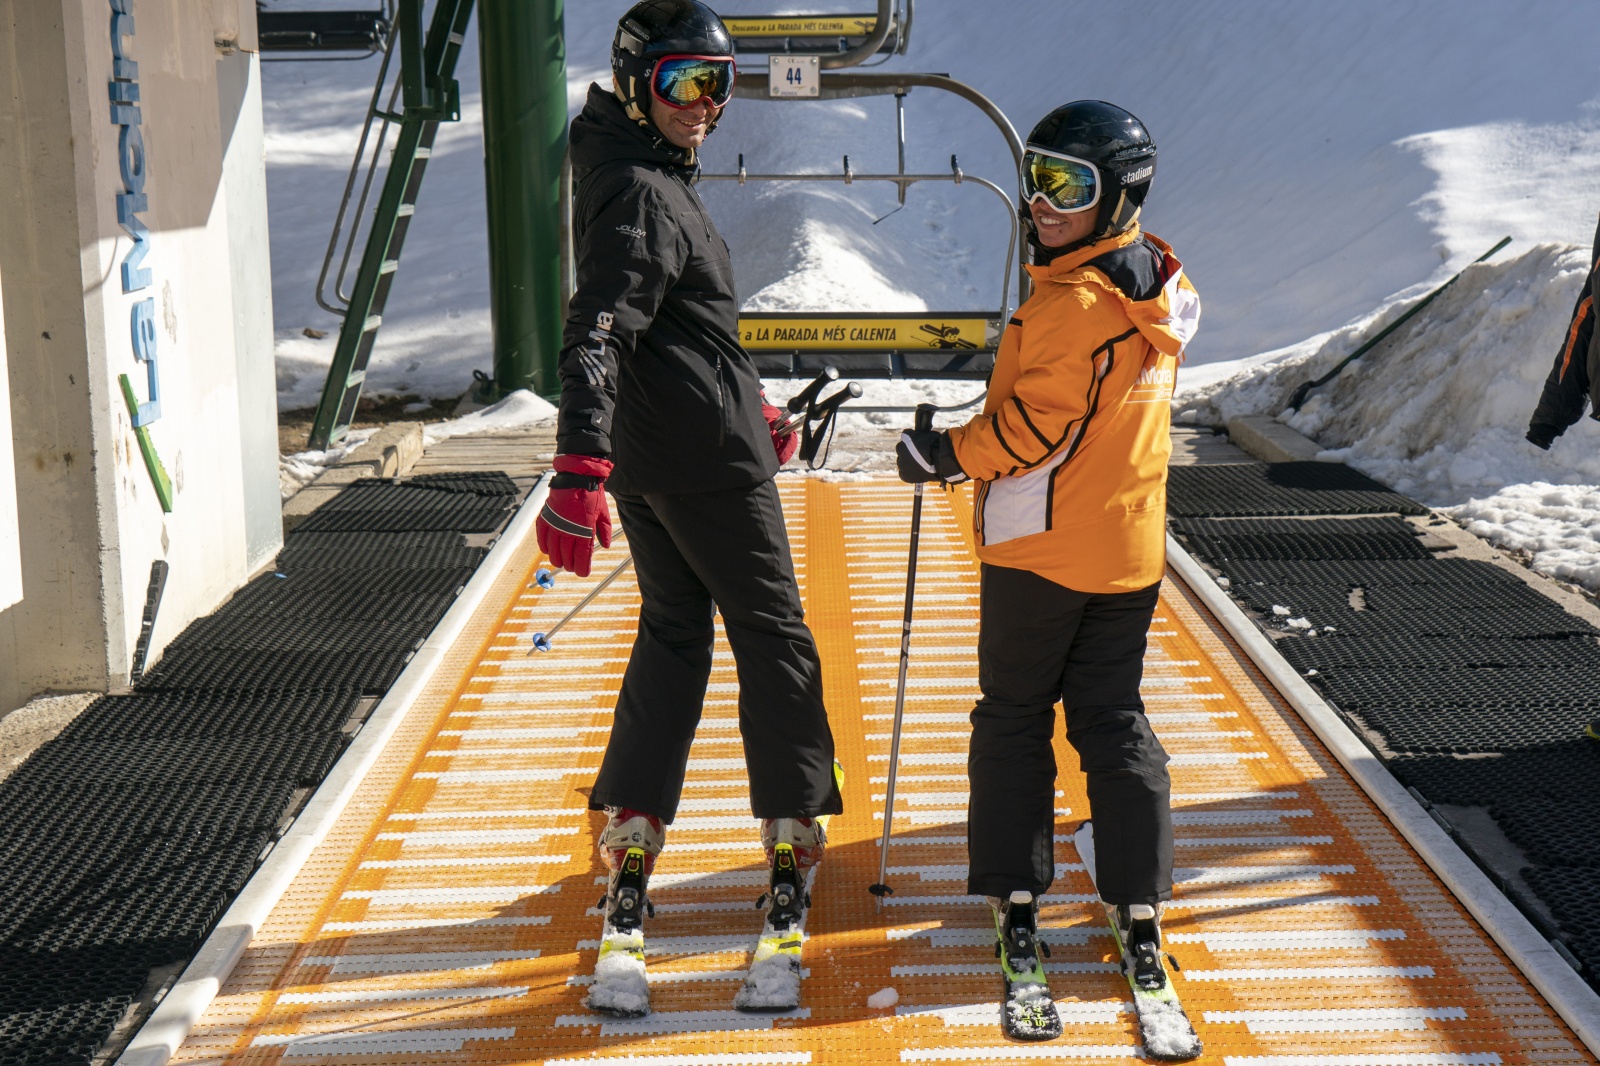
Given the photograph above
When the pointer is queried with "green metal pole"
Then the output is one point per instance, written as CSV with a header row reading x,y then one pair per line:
x,y
522,51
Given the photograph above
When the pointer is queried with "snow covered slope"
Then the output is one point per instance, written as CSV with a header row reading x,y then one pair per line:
x,y
1315,160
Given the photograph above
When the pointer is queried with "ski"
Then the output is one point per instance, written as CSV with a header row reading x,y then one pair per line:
x,y
1164,1027
772,983
1028,1011
620,988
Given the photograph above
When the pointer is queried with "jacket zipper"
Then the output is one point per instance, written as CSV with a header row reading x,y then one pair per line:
x,y
722,407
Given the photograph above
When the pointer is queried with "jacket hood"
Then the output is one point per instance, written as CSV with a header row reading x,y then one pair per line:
x,y
1140,271
603,133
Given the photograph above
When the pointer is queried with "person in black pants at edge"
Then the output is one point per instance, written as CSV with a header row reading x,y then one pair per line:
x,y
1574,380
660,403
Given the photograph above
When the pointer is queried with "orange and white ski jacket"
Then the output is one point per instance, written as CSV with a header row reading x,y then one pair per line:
x,y
1070,452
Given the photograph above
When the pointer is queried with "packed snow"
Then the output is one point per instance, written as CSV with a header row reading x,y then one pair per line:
x,y
620,983
884,998
517,410
298,469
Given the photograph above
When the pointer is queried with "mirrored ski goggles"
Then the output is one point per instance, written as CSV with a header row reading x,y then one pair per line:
x,y
683,81
1064,183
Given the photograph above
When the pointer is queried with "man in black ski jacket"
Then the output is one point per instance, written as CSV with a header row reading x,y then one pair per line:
x,y
661,404
1575,377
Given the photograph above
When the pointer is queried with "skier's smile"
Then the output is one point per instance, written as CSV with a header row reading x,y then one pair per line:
x,y
685,127
1057,229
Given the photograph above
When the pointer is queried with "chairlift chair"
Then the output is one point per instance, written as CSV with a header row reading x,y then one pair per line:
x,y
843,39
325,34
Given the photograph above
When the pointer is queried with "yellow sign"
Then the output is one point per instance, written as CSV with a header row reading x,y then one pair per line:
x,y
802,26
865,333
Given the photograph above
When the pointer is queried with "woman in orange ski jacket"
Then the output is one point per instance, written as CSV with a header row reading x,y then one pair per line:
x,y
1070,459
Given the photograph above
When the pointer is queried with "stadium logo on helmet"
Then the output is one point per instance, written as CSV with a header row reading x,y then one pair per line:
x,y
1138,175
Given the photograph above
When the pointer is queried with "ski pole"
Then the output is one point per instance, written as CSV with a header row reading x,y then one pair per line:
x,y
799,404
923,422
541,641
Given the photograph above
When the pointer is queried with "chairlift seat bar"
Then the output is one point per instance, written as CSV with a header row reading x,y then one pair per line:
x,y
322,31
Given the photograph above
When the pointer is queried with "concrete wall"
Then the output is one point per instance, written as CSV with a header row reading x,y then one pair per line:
x,y
10,542
92,523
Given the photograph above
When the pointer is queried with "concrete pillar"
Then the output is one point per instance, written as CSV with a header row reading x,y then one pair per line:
x,y
132,227
10,541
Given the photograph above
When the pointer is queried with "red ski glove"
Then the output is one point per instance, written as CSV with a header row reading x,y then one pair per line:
x,y
575,513
785,445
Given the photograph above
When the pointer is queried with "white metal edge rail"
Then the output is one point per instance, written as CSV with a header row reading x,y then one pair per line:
x,y
177,1014
1576,1003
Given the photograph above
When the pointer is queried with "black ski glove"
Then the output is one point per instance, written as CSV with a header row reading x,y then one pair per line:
x,y
928,455
1543,434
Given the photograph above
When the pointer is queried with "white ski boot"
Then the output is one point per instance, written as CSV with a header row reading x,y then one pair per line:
x,y
794,847
628,846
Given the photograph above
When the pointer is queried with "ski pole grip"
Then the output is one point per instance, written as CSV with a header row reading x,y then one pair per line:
x,y
806,396
924,417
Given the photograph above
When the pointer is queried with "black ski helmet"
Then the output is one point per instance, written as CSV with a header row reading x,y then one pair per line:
x,y
655,28
1116,144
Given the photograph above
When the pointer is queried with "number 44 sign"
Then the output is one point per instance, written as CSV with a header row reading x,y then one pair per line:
x,y
794,76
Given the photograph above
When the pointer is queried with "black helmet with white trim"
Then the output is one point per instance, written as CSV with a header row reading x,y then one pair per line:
x,y
1079,137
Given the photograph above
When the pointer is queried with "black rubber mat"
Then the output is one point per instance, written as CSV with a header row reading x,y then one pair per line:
x,y
152,761
1349,574
126,837
1274,489
407,594
230,670
292,635
1406,651
1552,833
1352,689
1291,527
1571,895
1471,727
376,506
1307,545
1542,622
1497,597
471,514
376,551
480,483
1297,599
205,714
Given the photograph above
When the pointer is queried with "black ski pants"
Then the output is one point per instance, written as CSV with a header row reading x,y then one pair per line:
x,y
696,554
1040,642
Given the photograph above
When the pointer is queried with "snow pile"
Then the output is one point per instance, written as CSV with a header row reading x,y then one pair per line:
x,y
884,998
773,983
299,469
1164,1028
517,410
620,985
1438,410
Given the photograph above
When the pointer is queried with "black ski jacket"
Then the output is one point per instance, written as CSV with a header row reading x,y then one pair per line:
x,y
1575,377
652,373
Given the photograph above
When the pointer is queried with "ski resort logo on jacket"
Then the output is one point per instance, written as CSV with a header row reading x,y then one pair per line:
x,y
593,359
632,231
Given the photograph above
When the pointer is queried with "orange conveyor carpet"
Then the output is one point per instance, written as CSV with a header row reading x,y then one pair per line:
x,y
450,916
